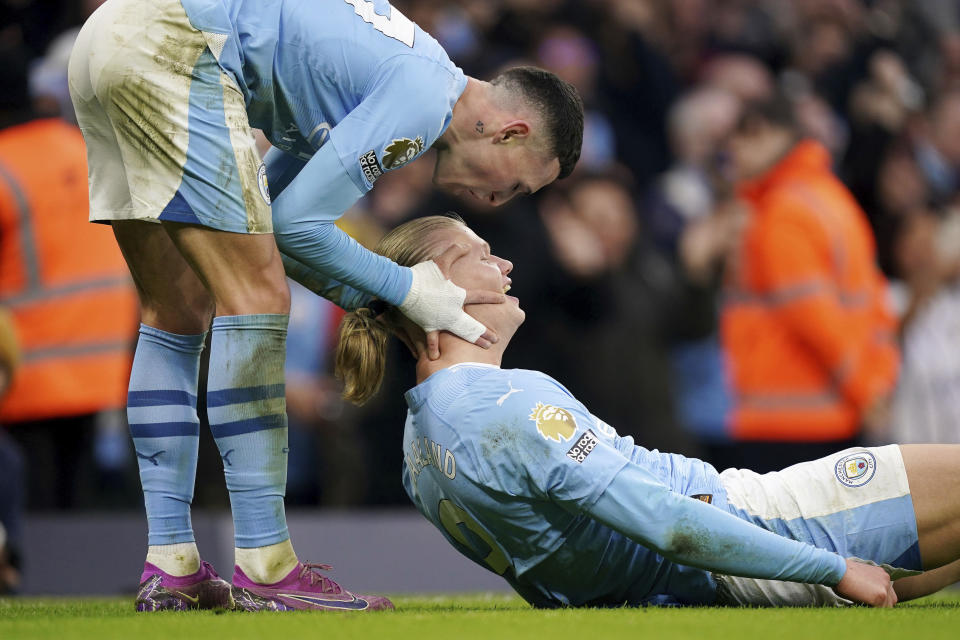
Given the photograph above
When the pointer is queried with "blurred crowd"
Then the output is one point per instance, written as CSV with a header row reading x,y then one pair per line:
x,y
699,235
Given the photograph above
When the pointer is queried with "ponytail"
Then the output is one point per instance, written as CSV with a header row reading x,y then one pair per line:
x,y
361,355
362,349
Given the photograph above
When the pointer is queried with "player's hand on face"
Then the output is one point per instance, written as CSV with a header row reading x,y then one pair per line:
x,y
866,584
436,304
473,296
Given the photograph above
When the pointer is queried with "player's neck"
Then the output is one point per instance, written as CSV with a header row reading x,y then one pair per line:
x,y
454,351
475,105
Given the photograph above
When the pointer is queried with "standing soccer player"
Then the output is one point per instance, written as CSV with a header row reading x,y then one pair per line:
x,y
166,93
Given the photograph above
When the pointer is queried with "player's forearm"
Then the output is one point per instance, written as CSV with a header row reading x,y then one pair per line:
x,y
336,292
694,533
303,217
334,255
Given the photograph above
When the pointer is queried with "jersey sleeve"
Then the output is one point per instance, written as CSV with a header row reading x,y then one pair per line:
x,y
406,108
691,532
390,127
342,295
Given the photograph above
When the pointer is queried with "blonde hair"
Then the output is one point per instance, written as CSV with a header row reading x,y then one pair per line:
x,y
362,349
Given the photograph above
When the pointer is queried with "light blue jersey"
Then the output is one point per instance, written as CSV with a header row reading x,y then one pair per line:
x,y
345,90
355,74
521,478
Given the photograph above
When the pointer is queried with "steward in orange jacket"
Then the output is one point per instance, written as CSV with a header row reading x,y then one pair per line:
x,y
63,279
805,322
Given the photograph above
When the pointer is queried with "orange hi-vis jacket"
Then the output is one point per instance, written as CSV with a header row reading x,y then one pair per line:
x,y
64,280
805,322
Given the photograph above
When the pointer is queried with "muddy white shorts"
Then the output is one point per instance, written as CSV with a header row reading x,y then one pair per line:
x,y
166,128
856,502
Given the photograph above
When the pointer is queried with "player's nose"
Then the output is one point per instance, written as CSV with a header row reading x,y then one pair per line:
x,y
497,198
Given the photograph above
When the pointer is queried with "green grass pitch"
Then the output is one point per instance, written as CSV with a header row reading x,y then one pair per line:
x,y
487,617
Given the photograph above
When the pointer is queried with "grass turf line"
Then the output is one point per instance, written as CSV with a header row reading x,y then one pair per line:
x,y
482,616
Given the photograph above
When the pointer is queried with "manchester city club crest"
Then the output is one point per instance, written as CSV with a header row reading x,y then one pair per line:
x,y
856,469
262,183
554,423
401,151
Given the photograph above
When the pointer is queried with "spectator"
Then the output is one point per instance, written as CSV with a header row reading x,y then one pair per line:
x,y
741,75
698,124
938,151
567,52
65,282
617,305
877,166
805,320
691,216
926,404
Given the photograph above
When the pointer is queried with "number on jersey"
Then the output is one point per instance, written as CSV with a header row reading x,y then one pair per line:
x,y
397,26
470,534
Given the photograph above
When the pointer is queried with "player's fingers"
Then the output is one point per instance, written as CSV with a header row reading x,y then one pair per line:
x,y
433,345
453,253
479,296
488,338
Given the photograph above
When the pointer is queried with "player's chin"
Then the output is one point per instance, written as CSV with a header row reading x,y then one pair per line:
x,y
520,313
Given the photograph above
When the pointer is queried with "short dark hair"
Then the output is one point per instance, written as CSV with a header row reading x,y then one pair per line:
x,y
559,105
779,109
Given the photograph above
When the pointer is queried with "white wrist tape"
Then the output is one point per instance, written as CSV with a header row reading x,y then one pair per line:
x,y
435,303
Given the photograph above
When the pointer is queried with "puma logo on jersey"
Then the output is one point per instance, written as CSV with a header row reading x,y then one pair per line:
x,y
554,423
504,397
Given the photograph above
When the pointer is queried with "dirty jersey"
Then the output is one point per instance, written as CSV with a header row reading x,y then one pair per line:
x,y
354,75
521,478
345,90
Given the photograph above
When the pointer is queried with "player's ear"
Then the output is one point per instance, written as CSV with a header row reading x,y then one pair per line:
x,y
512,131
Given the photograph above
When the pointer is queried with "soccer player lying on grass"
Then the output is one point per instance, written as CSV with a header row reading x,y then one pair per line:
x,y
521,478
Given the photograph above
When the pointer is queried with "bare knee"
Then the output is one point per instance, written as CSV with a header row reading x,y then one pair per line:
x,y
934,481
268,292
191,317
243,272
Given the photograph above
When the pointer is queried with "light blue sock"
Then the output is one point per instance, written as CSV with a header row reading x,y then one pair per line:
x,y
246,406
162,412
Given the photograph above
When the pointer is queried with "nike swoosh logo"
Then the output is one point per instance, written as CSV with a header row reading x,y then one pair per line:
x,y
356,603
194,599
